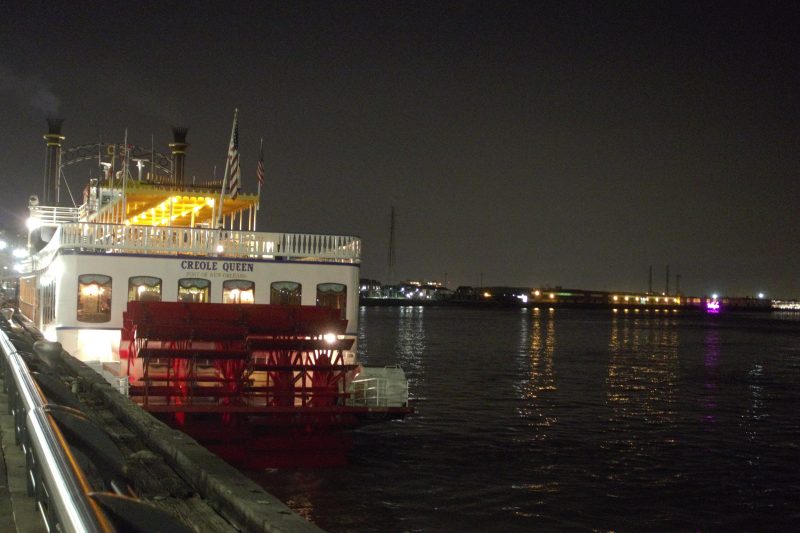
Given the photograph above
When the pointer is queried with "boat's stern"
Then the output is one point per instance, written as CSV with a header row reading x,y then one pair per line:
x,y
382,390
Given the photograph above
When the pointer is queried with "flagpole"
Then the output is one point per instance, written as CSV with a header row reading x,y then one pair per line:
x,y
152,158
258,201
261,155
125,179
227,163
214,207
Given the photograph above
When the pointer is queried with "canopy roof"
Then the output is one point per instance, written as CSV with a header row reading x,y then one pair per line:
x,y
153,205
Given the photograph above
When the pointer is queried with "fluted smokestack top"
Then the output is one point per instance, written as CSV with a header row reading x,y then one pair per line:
x,y
179,152
179,134
52,161
54,126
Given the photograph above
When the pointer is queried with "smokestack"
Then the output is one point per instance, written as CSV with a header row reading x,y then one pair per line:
x,y
667,291
52,161
650,281
179,152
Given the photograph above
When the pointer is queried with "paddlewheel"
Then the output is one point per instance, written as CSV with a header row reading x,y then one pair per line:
x,y
260,385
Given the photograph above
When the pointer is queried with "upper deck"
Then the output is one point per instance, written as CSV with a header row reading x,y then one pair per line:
x,y
219,243
152,219
158,212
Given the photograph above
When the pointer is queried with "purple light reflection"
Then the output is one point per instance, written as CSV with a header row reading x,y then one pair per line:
x,y
708,401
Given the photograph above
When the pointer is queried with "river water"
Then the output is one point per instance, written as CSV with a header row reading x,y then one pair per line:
x,y
570,420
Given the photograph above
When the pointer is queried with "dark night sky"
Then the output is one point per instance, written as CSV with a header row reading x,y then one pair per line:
x,y
561,143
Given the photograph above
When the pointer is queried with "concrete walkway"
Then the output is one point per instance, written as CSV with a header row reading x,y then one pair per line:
x,y
18,511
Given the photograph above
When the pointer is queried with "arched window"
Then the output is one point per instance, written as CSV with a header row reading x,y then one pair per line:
x,y
238,291
285,293
195,290
144,289
94,298
332,295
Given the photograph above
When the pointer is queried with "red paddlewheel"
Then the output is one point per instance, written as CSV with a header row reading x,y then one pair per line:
x,y
187,355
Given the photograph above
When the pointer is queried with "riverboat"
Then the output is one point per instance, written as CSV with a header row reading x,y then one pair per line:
x,y
245,340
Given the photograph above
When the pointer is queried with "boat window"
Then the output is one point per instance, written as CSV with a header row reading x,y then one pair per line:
x,y
94,298
238,291
332,295
144,289
194,290
285,293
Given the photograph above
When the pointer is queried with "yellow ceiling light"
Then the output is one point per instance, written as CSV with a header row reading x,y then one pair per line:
x,y
152,206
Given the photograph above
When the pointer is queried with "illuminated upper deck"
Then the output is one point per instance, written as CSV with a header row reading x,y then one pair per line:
x,y
169,220
218,243
158,213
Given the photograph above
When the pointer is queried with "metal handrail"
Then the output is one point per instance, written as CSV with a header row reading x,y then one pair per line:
x,y
54,216
369,392
72,511
223,244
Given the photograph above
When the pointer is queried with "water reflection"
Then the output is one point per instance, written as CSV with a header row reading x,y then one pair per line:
x,y
410,347
757,409
571,421
642,371
410,342
303,499
541,384
708,400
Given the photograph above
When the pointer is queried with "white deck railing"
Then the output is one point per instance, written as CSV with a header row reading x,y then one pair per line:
x,y
369,392
119,238
55,216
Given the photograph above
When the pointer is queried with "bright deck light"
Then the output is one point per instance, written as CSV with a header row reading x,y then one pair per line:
x,y
33,223
19,253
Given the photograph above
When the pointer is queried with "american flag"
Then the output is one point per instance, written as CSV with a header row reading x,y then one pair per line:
x,y
260,167
234,176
